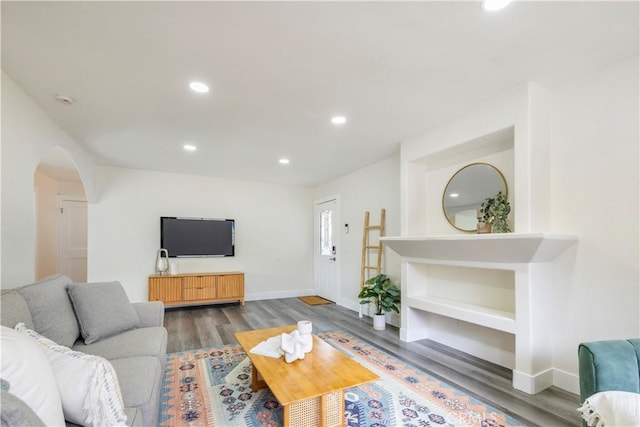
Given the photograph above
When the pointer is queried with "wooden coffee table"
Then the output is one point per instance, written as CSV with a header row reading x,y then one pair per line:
x,y
310,390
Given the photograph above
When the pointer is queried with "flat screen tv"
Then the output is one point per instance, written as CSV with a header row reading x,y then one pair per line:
x,y
197,237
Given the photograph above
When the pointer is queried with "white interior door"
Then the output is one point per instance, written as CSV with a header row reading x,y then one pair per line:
x,y
73,239
326,253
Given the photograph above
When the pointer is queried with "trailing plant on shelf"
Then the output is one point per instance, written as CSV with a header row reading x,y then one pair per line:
x,y
382,293
494,211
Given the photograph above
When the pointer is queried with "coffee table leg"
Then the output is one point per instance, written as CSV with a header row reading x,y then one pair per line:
x,y
332,409
322,411
287,416
256,383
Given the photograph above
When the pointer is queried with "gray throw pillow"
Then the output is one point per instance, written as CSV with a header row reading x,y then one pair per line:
x,y
14,309
103,310
51,309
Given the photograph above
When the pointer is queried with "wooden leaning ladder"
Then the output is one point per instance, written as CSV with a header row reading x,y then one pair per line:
x,y
368,248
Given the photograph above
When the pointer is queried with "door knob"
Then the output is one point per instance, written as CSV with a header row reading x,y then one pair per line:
x,y
332,258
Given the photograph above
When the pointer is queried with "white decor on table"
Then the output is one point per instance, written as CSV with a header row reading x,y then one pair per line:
x,y
270,348
294,345
299,342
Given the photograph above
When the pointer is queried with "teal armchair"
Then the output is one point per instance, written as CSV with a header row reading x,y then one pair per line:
x,y
612,365
609,365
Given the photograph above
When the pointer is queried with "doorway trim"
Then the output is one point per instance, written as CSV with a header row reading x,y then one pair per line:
x,y
60,199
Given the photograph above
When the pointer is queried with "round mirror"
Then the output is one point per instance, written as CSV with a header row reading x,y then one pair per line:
x,y
466,190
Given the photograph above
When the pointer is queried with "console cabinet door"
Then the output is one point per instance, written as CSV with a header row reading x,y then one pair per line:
x,y
198,288
230,286
165,289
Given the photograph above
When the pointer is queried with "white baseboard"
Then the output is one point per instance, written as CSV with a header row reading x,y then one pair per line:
x,y
413,334
532,384
566,381
351,305
279,294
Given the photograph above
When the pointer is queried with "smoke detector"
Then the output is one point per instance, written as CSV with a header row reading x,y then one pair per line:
x,y
63,99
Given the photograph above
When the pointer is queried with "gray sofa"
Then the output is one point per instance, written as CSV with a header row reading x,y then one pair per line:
x,y
137,354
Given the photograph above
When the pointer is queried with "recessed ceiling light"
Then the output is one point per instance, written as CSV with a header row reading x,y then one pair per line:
x,y
199,87
338,120
189,147
493,5
453,195
284,161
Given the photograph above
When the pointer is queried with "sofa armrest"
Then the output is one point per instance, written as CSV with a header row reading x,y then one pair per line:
x,y
150,313
607,366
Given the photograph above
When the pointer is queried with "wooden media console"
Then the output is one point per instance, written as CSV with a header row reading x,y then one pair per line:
x,y
196,288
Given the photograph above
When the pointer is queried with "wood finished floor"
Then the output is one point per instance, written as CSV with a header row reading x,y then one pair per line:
x,y
212,326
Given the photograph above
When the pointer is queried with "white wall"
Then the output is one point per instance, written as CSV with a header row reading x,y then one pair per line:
x,y
594,194
369,189
592,191
27,134
273,222
274,226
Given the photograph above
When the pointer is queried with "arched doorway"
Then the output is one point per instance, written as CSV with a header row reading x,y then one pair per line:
x,y
61,217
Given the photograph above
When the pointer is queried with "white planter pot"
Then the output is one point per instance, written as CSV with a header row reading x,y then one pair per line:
x,y
379,322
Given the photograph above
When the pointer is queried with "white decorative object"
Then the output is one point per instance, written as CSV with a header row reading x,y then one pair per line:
x,y
270,348
299,342
162,262
379,322
173,268
305,327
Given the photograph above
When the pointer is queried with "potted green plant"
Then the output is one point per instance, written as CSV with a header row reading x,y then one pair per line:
x,y
383,294
494,212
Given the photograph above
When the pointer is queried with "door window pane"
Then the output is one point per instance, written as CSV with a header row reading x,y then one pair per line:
x,y
326,239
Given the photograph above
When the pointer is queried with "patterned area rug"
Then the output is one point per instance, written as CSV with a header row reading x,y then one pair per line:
x,y
212,387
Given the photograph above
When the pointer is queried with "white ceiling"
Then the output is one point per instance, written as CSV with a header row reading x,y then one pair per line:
x,y
278,71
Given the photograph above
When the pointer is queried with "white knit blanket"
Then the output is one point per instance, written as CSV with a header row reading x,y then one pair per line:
x,y
611,409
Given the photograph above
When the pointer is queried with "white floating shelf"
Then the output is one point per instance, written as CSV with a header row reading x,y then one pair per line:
x,y
496,248
476,314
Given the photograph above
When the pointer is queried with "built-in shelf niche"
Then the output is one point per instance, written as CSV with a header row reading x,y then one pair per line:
x,y
484,297
495,281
